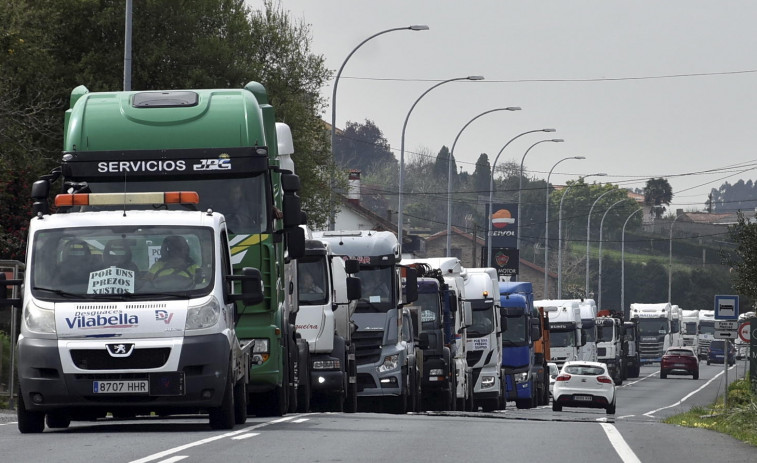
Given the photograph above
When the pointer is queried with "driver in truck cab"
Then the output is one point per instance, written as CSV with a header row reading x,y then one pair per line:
x,y
174,261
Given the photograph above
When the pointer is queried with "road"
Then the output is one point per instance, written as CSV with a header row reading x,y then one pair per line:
x,y
633,434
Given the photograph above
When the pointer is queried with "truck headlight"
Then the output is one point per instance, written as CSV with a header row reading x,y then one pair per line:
x,y
327,364
390,363
38,319
204,315
521,377
261,351
487,382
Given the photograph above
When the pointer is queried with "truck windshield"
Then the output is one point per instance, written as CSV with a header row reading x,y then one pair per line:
x,y
311,281
605,333
653,326
483,319
120,262
429,305
690,328
562,338
241,200
589,330
376,288
516,333
707,328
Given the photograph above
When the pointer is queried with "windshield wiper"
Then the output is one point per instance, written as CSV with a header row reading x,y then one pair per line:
x,y
60,292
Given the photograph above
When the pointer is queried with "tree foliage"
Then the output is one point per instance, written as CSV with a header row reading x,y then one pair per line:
x,y
48,47
742,195
656,193
743,259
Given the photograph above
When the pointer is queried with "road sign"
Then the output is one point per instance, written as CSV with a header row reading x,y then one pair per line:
x,y
726,325
726,307
744,331
725,334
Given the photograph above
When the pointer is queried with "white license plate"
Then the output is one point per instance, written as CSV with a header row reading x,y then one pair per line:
x,y
582,398
121,387
680,365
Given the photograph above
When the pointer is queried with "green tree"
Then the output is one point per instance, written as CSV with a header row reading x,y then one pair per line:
x,y
363,147
743,259
48,47
657,192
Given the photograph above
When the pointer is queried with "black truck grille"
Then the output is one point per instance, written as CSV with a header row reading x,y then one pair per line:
x,y
367,346
88,359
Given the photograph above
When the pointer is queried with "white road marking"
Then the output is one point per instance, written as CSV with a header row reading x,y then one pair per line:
x,y
232,434
301,420
174,459
640,379
246,436
650,413
619,444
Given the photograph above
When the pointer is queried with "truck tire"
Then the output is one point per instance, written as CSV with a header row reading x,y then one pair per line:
x,y
303,387
28,422
240,402
350,396
223,416
522,404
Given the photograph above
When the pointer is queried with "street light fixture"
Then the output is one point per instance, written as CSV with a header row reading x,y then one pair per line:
x,y
599,275
559,232
491,193
449,173
623,264
520,175
588,234
417,27
402,151
546,224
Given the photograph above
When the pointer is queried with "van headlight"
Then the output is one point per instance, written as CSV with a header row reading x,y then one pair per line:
x,y
204,315
39,320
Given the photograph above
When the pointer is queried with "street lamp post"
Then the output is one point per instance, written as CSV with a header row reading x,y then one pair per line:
x,y
402,151
491,192
416,27
599,275
623,265
588,235
559,233
449,173
546,229
670,259
520,175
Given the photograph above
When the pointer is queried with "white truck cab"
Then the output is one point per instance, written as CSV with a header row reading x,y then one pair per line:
x,y
130,312
564,329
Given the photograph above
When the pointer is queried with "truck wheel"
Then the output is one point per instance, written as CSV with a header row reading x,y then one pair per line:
x,y
58,420
240,402
350,399
223,416
521,404
303,388
28,422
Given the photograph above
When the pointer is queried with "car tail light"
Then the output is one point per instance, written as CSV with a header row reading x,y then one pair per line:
x,y
604,379
562,378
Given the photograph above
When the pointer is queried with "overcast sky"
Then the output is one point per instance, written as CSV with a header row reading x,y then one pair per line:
x,y
640,88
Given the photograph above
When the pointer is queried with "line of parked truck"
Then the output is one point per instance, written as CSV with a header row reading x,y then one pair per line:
x,y
262,315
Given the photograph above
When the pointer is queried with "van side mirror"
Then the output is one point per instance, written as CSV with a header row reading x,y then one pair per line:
x,y
252,286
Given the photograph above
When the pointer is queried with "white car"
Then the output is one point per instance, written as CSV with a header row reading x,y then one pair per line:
x,y
554,370
584,384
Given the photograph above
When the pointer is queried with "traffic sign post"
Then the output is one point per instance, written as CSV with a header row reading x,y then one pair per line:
x,y
727,307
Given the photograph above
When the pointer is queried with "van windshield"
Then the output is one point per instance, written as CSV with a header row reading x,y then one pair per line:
x,y
121,262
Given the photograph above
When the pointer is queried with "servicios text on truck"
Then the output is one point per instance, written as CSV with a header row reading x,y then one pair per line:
x,y
226,145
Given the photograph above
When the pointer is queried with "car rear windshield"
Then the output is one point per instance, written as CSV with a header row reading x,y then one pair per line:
x,y
587,370
683,352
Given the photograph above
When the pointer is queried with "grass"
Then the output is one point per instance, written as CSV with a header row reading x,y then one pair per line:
x,y
738,421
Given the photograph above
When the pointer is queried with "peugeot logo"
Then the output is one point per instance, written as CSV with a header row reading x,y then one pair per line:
x,y
120,349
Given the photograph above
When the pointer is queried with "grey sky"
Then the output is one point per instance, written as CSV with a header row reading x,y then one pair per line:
x,y
597,71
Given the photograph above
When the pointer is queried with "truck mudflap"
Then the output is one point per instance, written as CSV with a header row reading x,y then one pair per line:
x,y
198,382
